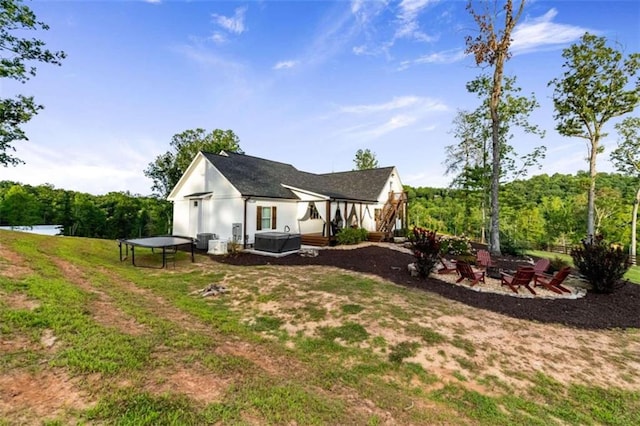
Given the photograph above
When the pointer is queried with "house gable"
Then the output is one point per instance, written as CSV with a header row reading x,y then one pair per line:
x,y
202,179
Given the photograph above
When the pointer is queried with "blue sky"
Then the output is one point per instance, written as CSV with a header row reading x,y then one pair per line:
x,y
301,82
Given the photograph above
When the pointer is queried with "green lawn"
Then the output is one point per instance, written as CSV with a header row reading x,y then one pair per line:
x,y
87,339
633,274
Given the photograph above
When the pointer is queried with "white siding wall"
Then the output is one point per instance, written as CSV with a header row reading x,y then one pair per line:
x,y
393,184
286,212
181,217
223,208
222,204
195,181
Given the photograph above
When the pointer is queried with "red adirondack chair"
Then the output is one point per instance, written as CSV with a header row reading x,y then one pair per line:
x,y
522,277
466,272
553,283
446,266
483,259
541,266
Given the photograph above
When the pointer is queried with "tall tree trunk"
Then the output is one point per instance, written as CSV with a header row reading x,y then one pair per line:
x,y
483,236
591,202
494,102
634,223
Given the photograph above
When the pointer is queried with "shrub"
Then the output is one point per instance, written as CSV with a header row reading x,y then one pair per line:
x,y
455,246
348,236
558,263
601,264
509,245
426,248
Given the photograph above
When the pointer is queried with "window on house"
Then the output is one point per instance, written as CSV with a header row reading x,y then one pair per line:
x,y
377,213
265,218
313,211
195,203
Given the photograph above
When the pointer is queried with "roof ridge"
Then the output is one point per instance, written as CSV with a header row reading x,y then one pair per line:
x,y
236,154
357,171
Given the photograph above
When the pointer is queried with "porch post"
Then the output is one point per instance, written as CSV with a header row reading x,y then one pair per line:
x,y
327,225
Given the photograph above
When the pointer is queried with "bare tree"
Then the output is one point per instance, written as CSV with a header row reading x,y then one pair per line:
x,y
491,48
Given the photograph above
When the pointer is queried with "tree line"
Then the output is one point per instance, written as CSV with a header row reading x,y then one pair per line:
x,y
111,216
535,213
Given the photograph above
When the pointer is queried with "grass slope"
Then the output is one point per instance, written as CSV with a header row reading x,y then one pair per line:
x,y
115,344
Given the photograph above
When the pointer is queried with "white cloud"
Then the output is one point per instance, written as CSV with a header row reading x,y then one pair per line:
x,y
206,57
405,24
218,38
541,32
118,169
394,123
283,65
382,118
394,104
435,178
444,57
233,24
153,1
409,27
365,11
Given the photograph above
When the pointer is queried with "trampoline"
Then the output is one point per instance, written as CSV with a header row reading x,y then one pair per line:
x,y
168,244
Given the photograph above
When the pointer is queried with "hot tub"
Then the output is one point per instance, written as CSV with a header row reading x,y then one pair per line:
x,y
276,242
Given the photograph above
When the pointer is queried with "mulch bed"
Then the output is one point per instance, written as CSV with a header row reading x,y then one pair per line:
x,y
594,311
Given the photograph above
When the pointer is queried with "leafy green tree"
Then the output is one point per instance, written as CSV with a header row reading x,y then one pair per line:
x,y
559,220
17,53
88,220
626,158
593,90
475,129
19,207
165,171
491,48
365,159
469,159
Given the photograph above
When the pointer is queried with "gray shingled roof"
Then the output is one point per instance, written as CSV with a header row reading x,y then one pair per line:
x,y
257,177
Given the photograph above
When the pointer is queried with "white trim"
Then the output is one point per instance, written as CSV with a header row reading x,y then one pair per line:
x,y
305,191
184,177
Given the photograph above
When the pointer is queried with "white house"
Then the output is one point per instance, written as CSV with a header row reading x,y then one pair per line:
x,y
235,196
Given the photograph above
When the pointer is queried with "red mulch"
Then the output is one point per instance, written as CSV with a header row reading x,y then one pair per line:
x,y
594,311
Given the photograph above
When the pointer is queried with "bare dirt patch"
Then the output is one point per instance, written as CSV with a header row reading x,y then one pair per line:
x,y
12,265
103,309
19,301
196,384
30,398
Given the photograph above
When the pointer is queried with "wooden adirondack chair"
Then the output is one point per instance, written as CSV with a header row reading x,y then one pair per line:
x,y
483,259
446,266
466,272
541,266
553,283
522,277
